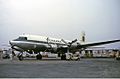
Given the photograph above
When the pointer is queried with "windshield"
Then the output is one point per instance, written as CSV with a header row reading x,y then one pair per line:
x,y
21,39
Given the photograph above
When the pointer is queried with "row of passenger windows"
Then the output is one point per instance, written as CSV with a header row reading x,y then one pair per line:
x,y
57,41
49,40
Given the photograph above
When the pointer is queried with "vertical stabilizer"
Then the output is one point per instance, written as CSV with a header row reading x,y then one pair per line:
x,y
82,37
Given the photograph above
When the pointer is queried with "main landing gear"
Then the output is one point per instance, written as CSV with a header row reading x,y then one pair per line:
x,y
63,57
39,56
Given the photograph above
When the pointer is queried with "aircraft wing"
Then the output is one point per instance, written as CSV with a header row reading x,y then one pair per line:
x,y
84,45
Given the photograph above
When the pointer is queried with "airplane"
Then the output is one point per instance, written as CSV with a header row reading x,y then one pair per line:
x,y
35,43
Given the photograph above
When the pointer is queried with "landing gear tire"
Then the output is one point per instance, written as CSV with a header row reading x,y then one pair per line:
x,y
20,57
63,57
39,57
58,54
117,58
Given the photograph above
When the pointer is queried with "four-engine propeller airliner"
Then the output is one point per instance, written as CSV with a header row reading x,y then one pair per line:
x,y
36,44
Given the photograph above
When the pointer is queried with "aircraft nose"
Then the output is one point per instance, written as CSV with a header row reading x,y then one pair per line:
x,y
11,43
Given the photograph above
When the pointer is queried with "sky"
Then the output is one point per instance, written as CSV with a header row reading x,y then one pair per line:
x,y
99,19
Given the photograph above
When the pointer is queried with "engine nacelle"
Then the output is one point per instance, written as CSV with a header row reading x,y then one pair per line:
x,y
54,47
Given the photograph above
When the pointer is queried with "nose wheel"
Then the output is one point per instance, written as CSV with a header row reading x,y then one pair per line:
x,y
20,56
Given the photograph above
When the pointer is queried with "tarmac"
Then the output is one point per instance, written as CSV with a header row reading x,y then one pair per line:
x,y
56,68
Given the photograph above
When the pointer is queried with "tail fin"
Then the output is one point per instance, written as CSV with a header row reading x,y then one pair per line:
x,y
82,37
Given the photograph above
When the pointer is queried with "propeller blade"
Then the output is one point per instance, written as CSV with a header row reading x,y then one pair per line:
x,y
64,41
73,41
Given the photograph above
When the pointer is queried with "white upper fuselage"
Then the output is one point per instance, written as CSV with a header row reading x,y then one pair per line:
x,y
44,39
36,42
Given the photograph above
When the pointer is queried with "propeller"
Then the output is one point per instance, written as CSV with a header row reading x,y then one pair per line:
x,y
69,44
72,42
64,42
12,47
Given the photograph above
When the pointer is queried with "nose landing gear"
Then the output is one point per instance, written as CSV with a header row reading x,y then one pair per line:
x,y
20,56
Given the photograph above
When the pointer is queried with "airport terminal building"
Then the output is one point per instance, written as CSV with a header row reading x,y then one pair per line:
x,y
100,52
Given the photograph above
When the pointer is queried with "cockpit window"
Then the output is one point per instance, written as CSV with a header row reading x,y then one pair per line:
x,y
21,39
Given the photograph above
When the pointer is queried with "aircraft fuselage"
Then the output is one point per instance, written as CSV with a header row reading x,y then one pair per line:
x,y
39,43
